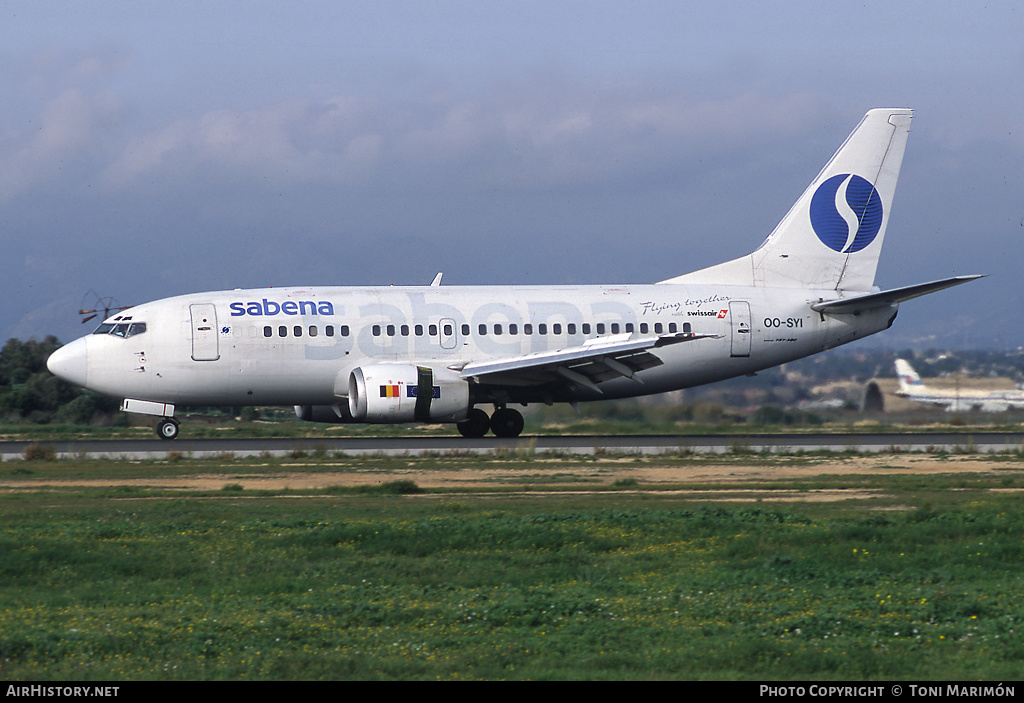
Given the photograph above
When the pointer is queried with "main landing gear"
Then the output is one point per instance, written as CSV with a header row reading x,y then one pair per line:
x,y
504,422
167,428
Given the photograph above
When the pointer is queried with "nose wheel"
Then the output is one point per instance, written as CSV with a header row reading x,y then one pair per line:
x,y
167,428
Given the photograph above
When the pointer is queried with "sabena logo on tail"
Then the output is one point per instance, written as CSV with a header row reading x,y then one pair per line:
x,y
846,213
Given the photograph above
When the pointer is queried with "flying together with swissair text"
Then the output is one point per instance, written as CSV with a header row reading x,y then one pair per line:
x,y
438,354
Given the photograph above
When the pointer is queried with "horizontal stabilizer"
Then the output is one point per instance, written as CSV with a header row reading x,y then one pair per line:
x,y
869,301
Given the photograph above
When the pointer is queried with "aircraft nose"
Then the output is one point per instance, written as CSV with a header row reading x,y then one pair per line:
x,y
70,362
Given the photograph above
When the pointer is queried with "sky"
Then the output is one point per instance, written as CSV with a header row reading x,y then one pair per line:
x,y
153,149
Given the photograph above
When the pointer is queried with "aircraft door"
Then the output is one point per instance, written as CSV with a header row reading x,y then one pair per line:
x,y
205,345
739,320
448,333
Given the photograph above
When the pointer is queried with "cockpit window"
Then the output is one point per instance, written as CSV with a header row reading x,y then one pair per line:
x,y
121,329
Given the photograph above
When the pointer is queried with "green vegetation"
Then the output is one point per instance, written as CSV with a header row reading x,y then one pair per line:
x,y
30,393
628,581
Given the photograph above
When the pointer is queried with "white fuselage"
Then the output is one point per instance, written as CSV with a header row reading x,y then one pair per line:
x,y
297,346
955,399
961,400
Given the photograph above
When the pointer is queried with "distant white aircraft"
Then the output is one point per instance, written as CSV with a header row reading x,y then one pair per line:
x,y
957,400
438,353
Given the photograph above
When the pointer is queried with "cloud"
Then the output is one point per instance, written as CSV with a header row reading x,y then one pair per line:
x,y
68,136
538,133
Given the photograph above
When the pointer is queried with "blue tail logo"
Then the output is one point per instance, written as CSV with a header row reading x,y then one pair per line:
x,y
846,213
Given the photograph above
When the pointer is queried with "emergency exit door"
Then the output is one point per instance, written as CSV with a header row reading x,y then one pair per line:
x,y
448,333
205,346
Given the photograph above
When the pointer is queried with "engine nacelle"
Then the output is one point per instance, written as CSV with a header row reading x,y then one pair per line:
x,y
334,414
406,393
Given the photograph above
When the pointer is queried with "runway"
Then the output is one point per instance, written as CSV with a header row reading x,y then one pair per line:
x,y
140,449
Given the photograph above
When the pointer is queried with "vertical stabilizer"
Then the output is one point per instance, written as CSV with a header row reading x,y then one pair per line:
x,y
910,382
832,236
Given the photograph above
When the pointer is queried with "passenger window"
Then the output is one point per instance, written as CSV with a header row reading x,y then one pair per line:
x,y
615,328
405,330
449,330
391,330
571,328
586,328
465,330
312,331
268,331
644,328
658,328
673,327
600,328
282,331
344,330
513,328
556,329
542,329
419,330
298,331
376,330
629,327
329,330
527,328
497,329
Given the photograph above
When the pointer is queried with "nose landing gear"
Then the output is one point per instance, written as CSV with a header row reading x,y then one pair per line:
x,y
167,428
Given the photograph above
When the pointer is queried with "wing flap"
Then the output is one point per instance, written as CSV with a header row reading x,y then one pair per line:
x,y
588,364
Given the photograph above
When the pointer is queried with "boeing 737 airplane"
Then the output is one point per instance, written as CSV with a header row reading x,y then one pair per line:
x,y
438,353
957,400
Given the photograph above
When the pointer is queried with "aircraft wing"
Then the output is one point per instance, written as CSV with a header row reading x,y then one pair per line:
x,y
860,303
588,364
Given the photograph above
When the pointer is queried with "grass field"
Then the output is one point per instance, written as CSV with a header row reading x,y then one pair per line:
x,y
556,576
629,417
